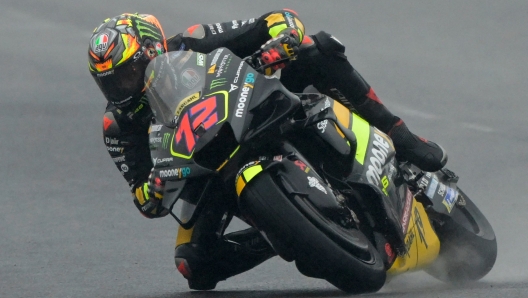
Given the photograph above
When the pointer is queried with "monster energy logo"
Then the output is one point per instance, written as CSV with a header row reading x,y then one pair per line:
x,y
166,140
218,83
146,29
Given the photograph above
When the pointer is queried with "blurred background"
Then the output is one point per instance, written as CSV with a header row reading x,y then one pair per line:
x,y
455,71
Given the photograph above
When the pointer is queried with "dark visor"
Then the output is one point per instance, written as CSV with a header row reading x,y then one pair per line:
x,y
123,83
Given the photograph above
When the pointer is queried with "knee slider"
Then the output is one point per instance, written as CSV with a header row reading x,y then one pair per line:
x,y
329,45
186,258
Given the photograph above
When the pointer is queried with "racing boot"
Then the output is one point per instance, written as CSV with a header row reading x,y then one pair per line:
x,y
425,154
205,265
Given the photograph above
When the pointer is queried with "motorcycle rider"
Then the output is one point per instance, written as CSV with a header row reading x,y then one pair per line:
x,y
119,51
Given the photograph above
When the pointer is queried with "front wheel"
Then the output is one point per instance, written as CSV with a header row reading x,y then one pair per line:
x,y
468,246
320,247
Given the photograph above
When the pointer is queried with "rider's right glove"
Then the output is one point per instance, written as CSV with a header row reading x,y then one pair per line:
x,y
284,46
148,196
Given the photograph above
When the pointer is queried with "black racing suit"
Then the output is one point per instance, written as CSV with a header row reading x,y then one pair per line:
x,y
202,256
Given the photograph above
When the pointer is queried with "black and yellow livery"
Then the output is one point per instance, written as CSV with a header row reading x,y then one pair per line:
x,y
304,172
322,184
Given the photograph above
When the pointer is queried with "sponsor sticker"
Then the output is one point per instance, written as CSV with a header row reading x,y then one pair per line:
x,y
218,83
379,151
450,198
175,173
322,125
301,165
244,94
200,60
190,78
115,149
289,18
162,161
432,188
219,27
185,102
119,159
212,28
224,63
111,141
407,211
216,56
156,127
233,88
166,140
104,74
314,182
155,140
419,224
101,43
441,190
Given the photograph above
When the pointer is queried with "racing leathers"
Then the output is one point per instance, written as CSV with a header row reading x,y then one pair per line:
x,y
201,255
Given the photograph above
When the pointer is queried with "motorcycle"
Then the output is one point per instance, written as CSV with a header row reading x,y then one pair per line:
x,y
322,186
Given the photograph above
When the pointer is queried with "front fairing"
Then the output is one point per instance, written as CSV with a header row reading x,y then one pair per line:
x,y
189,96
194,94
201,105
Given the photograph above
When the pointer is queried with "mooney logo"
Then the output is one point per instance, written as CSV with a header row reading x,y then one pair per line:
x,y
289,17
379,152
248,86
179,173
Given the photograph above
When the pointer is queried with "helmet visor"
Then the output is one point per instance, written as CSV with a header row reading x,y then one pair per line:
x,y
123,84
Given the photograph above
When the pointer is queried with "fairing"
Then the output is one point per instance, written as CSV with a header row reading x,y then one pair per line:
x,y
202,106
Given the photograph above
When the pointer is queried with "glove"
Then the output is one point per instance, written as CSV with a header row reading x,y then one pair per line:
x,y
148,196
281,47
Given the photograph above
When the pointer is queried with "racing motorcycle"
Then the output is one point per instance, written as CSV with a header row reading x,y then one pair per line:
x,y
323,187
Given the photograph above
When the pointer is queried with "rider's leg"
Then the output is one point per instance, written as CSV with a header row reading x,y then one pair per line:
x,y
204,258
323,64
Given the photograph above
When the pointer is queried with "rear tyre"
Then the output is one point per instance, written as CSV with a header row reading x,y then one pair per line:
x,y
468,246
320,247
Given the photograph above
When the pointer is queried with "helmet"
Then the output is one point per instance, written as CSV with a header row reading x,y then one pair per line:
x,y
119,52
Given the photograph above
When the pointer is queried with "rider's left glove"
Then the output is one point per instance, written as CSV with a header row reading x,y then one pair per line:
x,y
147,197
284,46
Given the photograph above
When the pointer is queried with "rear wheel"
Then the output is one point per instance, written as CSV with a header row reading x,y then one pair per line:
x,y
468,248
320,247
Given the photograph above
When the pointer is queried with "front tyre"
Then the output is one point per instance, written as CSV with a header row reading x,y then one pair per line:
x,y
295,229
468,246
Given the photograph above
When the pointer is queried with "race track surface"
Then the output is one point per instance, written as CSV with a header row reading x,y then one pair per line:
x,y
456,71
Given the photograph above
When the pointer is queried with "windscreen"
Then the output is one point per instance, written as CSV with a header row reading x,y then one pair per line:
x,y
174,80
